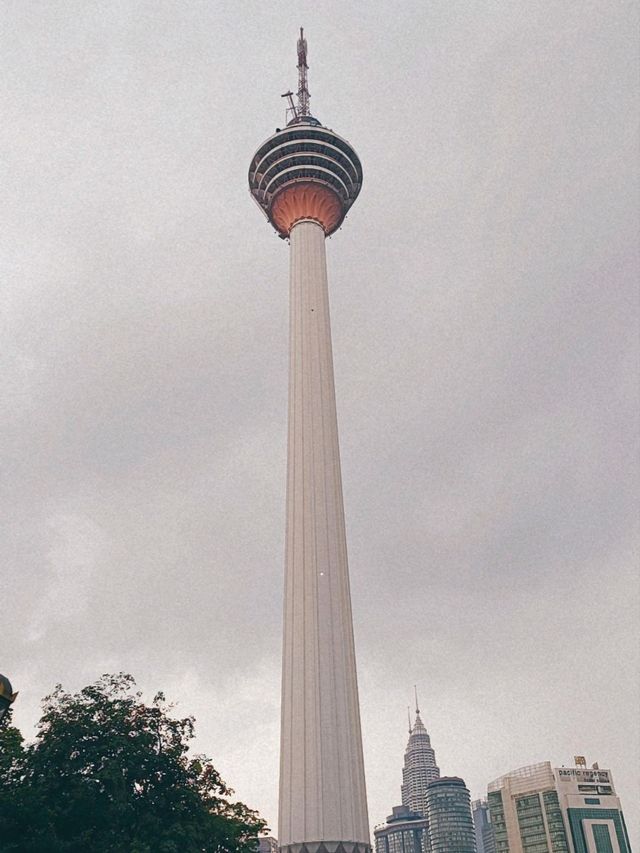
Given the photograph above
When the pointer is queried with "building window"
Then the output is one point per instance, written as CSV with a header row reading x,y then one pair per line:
x,y
577,816
602,838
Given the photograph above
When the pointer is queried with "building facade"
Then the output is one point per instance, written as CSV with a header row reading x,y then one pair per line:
x,y
592,811
404,832
482,826
525,812
539,809
449,816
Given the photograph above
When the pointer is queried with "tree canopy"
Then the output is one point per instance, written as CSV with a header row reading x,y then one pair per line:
x,y
108,772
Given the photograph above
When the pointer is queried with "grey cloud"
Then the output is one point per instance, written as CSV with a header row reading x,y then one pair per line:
x,y
485,332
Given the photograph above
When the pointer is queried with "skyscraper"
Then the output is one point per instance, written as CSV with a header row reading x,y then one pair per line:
x,y
406,829
561,810
591,809
305,178
420,767
449,816
404,832
485,837
525,811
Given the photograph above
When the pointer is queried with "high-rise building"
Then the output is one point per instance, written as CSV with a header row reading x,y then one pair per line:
x,y
485,838
420,767
404,832
539,809
435,815
406,828
305,178
449,816
525,811
591,809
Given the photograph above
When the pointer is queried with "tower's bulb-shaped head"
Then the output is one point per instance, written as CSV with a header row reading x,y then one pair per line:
x,y
305,171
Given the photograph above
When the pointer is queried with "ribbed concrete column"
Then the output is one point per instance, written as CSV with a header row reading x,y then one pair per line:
x,y
322,787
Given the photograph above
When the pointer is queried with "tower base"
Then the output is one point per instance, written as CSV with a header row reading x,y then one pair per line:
x,y
326,847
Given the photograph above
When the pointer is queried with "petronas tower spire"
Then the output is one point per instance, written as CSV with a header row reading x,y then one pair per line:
x,y
419,769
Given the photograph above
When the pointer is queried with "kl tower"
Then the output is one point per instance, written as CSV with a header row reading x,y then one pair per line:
x,y
305,178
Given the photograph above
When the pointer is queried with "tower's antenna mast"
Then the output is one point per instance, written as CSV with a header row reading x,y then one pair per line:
x,y
415,687
303,88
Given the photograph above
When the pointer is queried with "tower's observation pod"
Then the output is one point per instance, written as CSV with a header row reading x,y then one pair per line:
x,y
305,171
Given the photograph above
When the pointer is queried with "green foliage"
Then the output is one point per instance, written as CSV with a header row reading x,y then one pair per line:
x,y
11,749
109,773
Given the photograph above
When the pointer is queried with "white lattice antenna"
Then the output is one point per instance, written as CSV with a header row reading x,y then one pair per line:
x,y
303,87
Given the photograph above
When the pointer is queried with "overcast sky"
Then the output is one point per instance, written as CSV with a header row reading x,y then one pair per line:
x,y
484,321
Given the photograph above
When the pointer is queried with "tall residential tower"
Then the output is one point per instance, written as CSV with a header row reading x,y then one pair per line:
x,y
305,178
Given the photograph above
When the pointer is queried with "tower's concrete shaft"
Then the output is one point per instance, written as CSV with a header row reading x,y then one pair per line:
x,y
322,786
